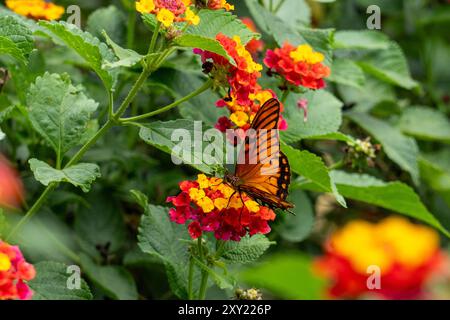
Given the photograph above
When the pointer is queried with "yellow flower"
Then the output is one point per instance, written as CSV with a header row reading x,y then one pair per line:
x,y
226,5
206,204
166,17
304,53
203,181
145,6
251,205
226,190
240,118
220,203
252,66
36,9
5,263
261,95
187,3
191,17
196,194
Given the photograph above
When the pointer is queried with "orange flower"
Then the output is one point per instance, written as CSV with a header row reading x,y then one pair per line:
x,y
11,188
167,12
406,254
36,9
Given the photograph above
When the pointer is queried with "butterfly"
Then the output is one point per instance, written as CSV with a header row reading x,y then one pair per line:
x,y
264,174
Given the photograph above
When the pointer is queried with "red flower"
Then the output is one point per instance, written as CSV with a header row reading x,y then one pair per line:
x,y
300,66
11,188
254,46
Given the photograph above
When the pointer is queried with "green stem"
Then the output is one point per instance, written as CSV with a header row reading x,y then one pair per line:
x,y
219,249
337,165
131,28
154,37
285,96
208,84
190,279
278,6
204,281
271,6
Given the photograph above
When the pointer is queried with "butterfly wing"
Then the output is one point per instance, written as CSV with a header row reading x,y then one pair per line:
x,y
262,168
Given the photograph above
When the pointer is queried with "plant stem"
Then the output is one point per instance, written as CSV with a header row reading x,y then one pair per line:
x,y
271,6
285,96
131,28
337,165
203,88
190,279
154,37
278,6
204,281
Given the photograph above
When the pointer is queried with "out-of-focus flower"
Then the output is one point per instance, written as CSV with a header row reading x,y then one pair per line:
x,y
254,46
249,294
220,4
169,11
361,153
14,272
300,66
36,9
245,94
406,254
11,188
303,104
213,206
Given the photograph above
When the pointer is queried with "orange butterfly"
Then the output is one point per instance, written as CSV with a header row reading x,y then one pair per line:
x,y
263,172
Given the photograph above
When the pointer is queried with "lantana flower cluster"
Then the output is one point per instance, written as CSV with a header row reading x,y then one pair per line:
x,y
11,187
407,255
254,46
212,206
169,11
36,9
299,66
245,95
14,272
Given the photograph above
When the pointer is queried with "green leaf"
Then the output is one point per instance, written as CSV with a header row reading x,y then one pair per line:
x,y
204,43
395,196
249,249
187,145
338,136
80,175
302,11
361,39
296,228
222,281
312,168
59,111
127,57
91,49
51,283
324,116
161,238
213,22
288,276
115,281
425,123
3,224
390,65
399,148
110,20
347,72
8,47
18,33
320,39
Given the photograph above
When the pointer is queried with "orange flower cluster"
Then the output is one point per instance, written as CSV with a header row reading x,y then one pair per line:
x,y
254,46
169,11
14,272
300,66
245,94
406,254
36,9
213,206
11,188
220,4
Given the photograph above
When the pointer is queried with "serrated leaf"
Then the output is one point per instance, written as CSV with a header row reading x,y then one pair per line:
x,y
18,33
115,281
51,283
347,72
213,22
399,148
127,57
395,196
425,123
161,238
361,39
296,228
288,276
312,168
59,111
222,281
390,65
80,175
324,116
249,249
8,47
91,49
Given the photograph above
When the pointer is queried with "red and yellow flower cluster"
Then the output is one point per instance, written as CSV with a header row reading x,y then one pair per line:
x,y
254,46
169,11
220,4
213,206
36,9
406,254
14,272
245,94
11,188
300,66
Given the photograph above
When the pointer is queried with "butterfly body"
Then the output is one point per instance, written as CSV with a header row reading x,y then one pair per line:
x,y
263,172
